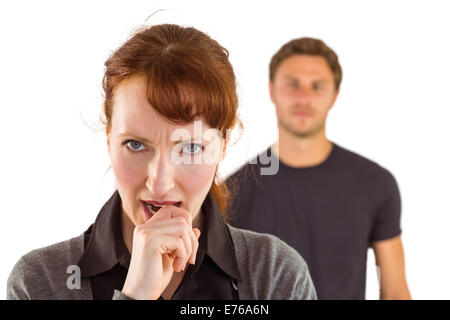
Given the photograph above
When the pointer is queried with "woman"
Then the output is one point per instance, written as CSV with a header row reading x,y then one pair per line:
x,y
170,97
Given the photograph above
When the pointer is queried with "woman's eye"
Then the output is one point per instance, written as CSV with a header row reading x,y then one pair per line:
x,y
192,148
134,145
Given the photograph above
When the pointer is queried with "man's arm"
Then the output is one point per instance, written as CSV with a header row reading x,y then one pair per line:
x,y
390,259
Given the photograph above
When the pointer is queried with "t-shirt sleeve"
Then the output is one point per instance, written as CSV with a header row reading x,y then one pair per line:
x,y
386,220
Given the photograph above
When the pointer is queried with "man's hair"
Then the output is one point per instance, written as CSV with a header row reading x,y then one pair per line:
x,y
307,46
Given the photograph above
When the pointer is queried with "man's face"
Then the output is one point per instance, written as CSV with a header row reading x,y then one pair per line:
x,y
303,92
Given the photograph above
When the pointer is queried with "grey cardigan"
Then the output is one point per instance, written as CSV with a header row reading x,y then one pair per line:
x,y
269,268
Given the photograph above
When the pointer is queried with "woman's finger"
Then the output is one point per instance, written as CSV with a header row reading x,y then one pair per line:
x,y
161,214
196,232
194,242
179,212
167,222
176,227
173,247
188,245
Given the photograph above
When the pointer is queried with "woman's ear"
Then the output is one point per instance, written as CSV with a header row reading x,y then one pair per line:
x,y
108,141
225,144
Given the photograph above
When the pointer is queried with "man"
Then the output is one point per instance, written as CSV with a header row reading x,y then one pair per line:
x,y
325,201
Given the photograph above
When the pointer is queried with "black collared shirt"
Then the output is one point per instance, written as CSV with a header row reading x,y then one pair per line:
x,y
106,258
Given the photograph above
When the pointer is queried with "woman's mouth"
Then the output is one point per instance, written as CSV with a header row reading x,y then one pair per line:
x,y
152,207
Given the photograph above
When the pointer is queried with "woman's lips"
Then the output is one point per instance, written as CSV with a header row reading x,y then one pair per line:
x,y
162,203
151,207
147,212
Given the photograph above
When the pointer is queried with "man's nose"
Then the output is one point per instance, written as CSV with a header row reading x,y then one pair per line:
x,y
160,178
303,95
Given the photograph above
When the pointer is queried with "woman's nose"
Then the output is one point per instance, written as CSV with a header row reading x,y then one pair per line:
x,y
160,180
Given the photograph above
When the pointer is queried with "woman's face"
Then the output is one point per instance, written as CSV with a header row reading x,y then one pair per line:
x,y
155,161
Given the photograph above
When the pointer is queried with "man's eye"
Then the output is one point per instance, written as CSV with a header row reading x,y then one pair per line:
x,y
192,148
134,145
317,86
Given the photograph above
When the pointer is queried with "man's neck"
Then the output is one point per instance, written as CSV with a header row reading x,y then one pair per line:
x,y
302,151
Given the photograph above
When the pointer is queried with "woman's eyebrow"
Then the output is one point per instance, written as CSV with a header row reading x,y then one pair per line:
x,y
193,139
128,135
133,136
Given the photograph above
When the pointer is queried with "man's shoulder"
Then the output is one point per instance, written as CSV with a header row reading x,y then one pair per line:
x,y
362,165
355,158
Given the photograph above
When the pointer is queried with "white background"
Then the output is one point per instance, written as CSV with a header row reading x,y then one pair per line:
x,y
393,108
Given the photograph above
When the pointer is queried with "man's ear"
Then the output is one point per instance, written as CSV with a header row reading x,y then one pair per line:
x,y
334,99
271,91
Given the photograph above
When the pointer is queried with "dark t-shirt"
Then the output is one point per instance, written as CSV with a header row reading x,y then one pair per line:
x,y
330,213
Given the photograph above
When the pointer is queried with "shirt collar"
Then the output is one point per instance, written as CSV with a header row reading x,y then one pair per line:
x,y
217,239
106,247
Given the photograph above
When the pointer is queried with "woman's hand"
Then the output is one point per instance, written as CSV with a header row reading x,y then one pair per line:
x,y
164,244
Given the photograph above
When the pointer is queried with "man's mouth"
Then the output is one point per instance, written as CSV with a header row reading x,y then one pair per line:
x,y
302,113
152,207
